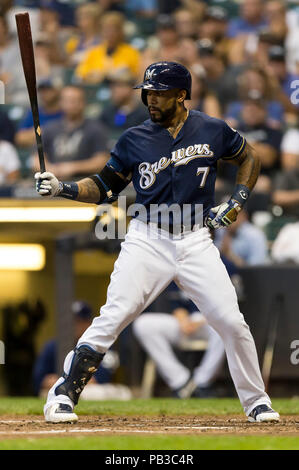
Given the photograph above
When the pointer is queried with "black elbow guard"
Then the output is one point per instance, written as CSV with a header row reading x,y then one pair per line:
x,y
109,184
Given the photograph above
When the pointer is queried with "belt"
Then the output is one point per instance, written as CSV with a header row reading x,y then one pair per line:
x,y
174,229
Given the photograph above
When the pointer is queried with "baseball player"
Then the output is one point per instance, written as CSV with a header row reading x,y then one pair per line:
x,y
171,159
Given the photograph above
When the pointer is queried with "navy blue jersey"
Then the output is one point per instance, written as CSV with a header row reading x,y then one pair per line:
x,y
179,170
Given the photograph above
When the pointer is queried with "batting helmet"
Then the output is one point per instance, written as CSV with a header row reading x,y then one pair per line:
x,y
165,76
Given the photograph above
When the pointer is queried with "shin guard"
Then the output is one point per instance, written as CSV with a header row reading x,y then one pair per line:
x,y
85,362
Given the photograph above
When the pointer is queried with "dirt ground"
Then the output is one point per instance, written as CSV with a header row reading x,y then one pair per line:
x,y
27,426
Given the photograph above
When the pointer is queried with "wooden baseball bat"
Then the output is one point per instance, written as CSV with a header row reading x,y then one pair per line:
x,y
27,54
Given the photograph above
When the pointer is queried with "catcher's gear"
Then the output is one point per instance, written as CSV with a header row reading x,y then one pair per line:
x,y
165,76
223,215
85,362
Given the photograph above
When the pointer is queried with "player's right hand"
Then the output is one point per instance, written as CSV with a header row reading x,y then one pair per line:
x,y
223,215
46,184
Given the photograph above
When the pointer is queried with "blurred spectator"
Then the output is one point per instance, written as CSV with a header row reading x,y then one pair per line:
x,y
186,23
242,243
124,109
7,128
265,40
67,9
264,139
290,150
64,9
74,145
202,99
214,27
45,368
255,80
285,248
245,29
9,163
292,39
46,67
221,78
275,12
188,54
251,19
51,30
88,32
286,183
11,67
165,45
274,34
49,110
114,53
280,78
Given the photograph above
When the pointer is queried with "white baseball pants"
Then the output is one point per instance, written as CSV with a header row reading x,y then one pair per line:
x,y
159,332
149,260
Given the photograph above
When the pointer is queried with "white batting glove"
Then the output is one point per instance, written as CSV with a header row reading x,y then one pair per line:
x,y
47,184
223,215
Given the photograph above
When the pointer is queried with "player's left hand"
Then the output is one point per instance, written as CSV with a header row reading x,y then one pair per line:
x,y
223,215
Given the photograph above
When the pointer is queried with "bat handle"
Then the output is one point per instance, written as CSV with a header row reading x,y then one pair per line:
x,y
40,149
41,157
41,162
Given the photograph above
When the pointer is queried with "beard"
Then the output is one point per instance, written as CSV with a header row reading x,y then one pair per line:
x,y
163,116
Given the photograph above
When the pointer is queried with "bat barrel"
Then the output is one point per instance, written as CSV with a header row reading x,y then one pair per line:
x,y
27,55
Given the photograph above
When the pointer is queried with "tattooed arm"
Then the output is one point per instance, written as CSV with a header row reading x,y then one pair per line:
x,y
88,191
249,167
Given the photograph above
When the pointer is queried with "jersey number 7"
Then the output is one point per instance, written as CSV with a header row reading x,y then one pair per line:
x,y
204,170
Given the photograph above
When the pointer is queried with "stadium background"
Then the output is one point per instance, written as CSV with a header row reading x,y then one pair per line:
x,y
244,60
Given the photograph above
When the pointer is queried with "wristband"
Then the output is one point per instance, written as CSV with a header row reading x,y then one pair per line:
x,y
241,194
68,190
